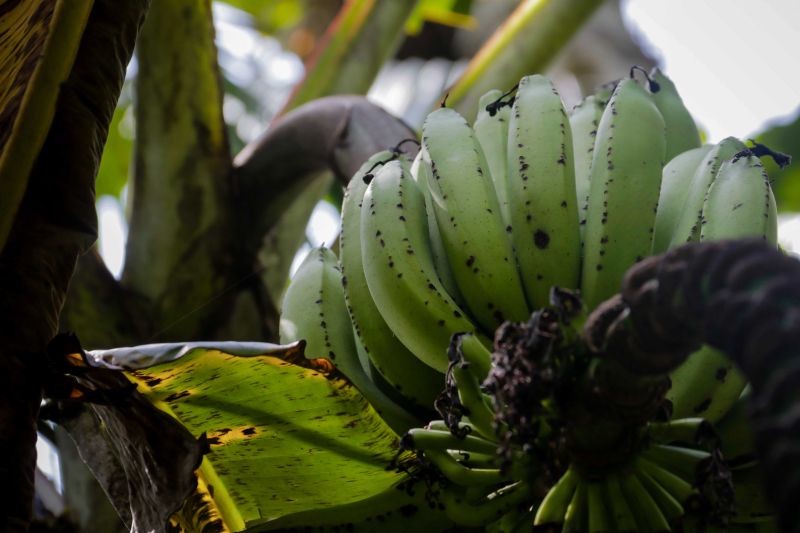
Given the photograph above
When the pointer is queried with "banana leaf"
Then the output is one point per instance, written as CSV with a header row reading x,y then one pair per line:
x,y
784,137
38,44
286,440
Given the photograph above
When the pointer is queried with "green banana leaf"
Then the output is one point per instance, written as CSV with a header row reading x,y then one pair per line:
x,y
38,44
786,181
286,436
112,176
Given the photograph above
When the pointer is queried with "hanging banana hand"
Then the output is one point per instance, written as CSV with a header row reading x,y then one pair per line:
x,y
513,229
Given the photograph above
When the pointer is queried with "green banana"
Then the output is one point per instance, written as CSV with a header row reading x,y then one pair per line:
x,y
681,430
598,507
584,120
314,309
421,172
752,504
669,506
518,520
687,225
479,411
705,385
681,130
557,501
462,475
399,269
437,253
468,215
735,431
621,514
625,182
541,191
644,508
576,517
739,202
485,510
491,130
675,183
412,378
680,489
679,460
441,425
473,349
442,439
475,460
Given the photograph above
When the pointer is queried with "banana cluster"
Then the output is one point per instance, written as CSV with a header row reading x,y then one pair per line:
x,y
477,229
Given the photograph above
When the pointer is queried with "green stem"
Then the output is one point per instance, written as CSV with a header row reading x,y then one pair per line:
x,y
357,44
526,43
179,249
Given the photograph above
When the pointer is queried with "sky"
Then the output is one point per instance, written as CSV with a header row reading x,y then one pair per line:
x,y
735,62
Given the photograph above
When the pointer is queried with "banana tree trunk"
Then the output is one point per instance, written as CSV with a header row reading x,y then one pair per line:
x,y
55,223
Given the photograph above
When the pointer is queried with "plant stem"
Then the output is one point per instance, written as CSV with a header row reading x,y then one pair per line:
x,y
526,43
359,41
182,193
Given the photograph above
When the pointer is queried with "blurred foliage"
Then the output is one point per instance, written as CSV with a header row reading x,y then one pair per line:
x,y
275,16
454,13
280,16
251,106
786,182
116,162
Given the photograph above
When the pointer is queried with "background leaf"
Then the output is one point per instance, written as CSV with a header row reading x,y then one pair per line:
x,y
786,182
115,164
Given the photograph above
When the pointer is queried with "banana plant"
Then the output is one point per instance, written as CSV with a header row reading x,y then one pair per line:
x,y
170,411
63,64
595,394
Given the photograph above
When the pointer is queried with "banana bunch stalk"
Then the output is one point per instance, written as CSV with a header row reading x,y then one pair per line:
x,y
513,229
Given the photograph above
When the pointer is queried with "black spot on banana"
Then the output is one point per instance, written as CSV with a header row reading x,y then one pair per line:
x,y
541,191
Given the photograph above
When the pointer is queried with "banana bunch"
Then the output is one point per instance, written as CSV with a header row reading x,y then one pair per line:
x,y
438,251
